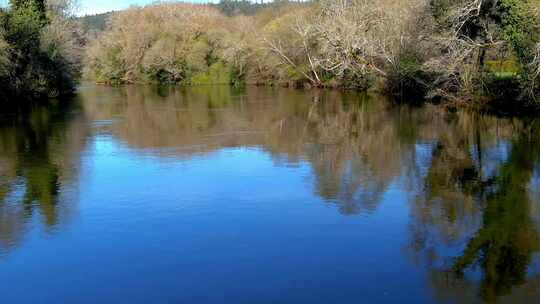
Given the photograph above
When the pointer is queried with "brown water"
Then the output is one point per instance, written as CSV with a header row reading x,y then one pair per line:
x,y
262,195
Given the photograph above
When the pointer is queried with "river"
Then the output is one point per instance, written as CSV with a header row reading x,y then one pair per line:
x,y
141,194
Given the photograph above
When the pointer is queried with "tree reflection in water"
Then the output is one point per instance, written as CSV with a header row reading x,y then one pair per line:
x,y
508,237
350,145
39,153
475,216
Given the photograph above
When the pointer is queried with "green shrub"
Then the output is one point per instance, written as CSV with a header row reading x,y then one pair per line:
x,y
218,73
503,66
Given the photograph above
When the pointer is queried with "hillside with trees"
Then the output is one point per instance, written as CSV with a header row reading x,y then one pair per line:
x,y
466,51
95,23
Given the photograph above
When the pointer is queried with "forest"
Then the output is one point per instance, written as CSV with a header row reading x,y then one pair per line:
x,y
464,52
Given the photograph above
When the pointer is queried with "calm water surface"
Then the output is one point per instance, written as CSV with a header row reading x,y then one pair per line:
x,y
218,195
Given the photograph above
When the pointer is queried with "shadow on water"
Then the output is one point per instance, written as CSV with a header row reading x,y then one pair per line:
x,y
39,151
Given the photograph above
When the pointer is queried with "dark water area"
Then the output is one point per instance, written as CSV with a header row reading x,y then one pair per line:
x,y
265,195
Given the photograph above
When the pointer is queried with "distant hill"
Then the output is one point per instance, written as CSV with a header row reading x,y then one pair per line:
x,y
251,7
240,7
98,22
95,23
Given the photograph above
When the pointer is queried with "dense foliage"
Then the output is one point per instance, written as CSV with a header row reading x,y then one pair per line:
x,y
39,50
484,49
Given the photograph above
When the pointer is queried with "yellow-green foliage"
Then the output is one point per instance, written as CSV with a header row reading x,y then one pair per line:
x,y
504,65
218,73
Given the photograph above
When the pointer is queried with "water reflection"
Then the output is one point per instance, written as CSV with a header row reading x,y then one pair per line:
x,y
470,182
39,155
474,221
351,141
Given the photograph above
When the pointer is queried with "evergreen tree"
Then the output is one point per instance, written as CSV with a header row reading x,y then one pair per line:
x,y
35,71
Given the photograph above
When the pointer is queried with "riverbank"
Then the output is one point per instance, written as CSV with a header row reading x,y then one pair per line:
x,y
419,50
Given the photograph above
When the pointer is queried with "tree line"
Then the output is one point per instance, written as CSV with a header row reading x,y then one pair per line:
x,y
464,51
